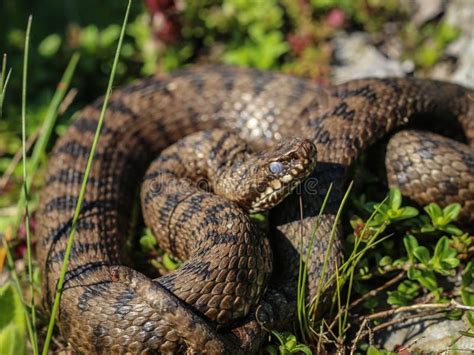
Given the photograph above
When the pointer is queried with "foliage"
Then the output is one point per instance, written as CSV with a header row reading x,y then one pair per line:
x,y
12,321
288,344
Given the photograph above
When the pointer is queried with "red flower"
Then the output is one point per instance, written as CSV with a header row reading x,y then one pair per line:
x,y
336,18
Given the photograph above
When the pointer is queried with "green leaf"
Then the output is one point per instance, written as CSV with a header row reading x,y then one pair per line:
x,y
422,254
428,280
410,243
148,241
408,212
372,350
413,273
449,263
50,45
455,314
468,274
405,292
452,229
12,322
170,263
394,199
280,336
301,348
434,211
258,217
441,248
469,334
470,319
271,349
290,342
385,261
451,211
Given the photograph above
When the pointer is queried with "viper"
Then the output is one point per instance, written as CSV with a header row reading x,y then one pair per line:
x,y
218,143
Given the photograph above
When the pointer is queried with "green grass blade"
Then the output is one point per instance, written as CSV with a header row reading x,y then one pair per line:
x,y
4,79
25,188
77,210
4,68
303,271
47,128
313,310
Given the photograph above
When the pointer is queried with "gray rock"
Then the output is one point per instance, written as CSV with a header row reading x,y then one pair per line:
x,y
435,334
463,73
356,58
426,10
460,13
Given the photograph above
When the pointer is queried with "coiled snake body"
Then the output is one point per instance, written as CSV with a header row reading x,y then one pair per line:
x,y
210,304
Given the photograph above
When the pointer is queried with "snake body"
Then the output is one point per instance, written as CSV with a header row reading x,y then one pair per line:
x,y
106,306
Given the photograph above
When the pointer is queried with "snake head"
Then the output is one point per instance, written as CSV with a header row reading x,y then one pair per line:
x,y
267,177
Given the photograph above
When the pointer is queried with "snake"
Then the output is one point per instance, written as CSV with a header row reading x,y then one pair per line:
x,y
210,144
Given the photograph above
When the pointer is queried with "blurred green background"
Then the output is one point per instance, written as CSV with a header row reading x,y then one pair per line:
x,y
288,35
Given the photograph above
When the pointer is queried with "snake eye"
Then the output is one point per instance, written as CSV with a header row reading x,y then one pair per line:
x,y
275,167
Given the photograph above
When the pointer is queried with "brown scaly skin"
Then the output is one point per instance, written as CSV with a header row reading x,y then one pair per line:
x,y
108,307
228,261
432,165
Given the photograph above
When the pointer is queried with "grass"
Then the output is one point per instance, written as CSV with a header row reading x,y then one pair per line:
x,y
46,129
4,79
25,187
303,270
27,174
57,297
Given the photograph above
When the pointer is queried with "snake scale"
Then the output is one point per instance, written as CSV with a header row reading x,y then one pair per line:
x,y
231,290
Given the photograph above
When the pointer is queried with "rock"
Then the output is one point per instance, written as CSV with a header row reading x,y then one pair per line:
x,y
460,14
435,334
356,58
426,10
463,48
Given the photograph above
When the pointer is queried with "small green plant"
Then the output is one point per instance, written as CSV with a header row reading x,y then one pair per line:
x,y
287,344
467,291
423,267
385,213
441,219
427,45
423,261
404,294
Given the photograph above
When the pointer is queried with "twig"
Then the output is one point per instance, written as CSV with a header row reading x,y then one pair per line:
x,y
416,307
433,307
399,320
372,293
377,290
411,344
358,336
